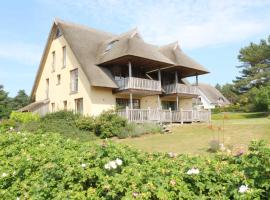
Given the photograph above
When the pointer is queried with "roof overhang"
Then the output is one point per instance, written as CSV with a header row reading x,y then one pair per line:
x,y
146,63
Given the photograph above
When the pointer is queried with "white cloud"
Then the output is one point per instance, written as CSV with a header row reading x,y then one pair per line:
x,y
195,24
21,52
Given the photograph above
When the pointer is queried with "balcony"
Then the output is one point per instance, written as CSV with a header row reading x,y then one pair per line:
x,y
133,83
181,89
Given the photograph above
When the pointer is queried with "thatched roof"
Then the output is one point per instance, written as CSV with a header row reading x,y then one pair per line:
x,y
85,43
131,44
214,96
95,49
186,65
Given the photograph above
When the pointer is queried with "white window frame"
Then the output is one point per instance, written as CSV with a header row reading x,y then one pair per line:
x,y
74,80
53,61
79,105
58,79
64,51
47,88
53,107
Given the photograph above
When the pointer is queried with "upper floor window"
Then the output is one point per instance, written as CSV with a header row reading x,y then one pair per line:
x,y
74,80
47,88
53,61
58,79
58,33
64,49
110,45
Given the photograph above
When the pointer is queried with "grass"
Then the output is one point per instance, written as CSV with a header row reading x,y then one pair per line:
x,y
239,115
195,138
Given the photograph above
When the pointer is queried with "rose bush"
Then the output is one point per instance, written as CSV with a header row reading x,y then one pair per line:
x,y
48,166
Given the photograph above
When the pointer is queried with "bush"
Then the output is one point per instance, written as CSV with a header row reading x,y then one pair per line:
x,y
24,117
109,124
7,124
36,166
214,145
136,130
86,123
63,122
65,115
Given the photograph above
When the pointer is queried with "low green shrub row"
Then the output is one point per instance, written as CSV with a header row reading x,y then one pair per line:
x,y
106,125
47,166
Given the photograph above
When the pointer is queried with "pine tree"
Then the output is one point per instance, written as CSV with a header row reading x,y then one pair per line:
x,y
20,100
256,66
5,107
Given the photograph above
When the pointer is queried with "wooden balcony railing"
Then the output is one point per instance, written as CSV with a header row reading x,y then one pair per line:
x,y
180,89
157,115
138,84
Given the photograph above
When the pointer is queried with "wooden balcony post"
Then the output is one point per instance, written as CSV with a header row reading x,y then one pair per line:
x,y
129,69
177,102
130,101
176,77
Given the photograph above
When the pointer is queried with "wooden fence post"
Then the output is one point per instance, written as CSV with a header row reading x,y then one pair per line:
x,y
148,114
170,114
127,115
181,114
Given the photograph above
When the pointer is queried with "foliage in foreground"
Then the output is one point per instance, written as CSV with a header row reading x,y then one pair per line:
x,y
46,166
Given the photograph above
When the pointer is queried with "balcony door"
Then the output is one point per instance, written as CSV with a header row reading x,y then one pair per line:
x,y
122,103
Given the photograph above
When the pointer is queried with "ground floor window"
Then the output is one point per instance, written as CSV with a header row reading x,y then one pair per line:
x,y
53,107
123,103
166,105
65,105
79,105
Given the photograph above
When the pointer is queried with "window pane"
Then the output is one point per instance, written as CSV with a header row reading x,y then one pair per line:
x,y
74,80
123,103
64,56
53,61
79,106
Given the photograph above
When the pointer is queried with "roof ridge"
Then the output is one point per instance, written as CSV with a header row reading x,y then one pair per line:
x,y
82,26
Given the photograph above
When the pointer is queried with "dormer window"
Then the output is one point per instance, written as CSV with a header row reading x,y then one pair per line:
x,y
58,33
110,45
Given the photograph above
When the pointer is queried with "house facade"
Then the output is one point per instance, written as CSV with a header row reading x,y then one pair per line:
x,y
90,71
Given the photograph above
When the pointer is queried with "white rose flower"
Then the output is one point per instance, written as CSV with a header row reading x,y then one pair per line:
x,y
243,188
118,161
193,171
4,175
107,166
83,165
113,164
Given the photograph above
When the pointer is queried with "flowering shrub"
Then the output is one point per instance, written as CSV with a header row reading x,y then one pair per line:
x,y
24,117
48,166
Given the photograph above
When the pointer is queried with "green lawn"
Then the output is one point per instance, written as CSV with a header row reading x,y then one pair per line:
x,y
195,138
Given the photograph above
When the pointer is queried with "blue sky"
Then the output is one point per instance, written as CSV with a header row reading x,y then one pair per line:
x,y
212,32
